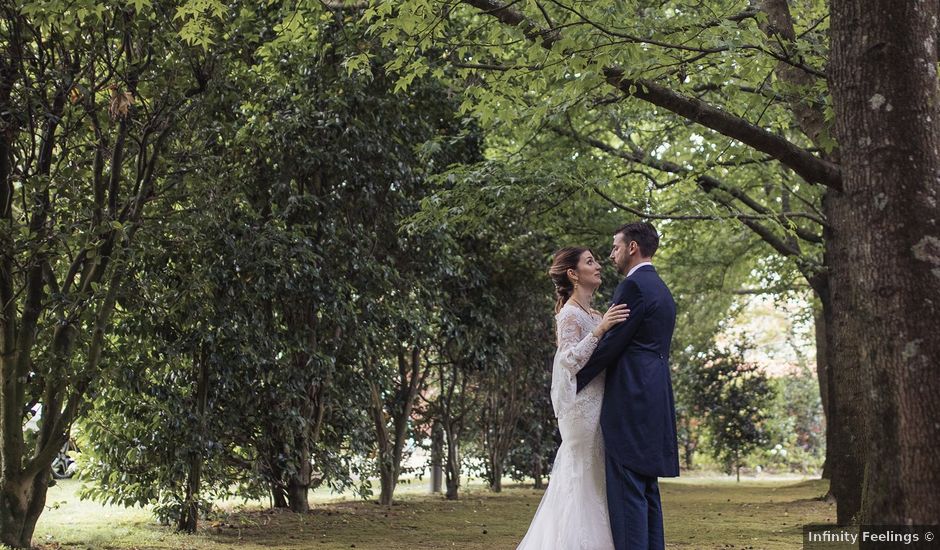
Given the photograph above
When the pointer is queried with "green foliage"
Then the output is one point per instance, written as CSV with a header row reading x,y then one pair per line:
x,y
293,284
536,433
795,424
557,132
733,397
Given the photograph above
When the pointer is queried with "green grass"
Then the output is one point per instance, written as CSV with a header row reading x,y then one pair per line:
x,y
701,513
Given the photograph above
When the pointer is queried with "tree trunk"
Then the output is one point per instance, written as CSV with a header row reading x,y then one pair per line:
x,y
278,496
385,455
391,444
503,408
846,428
312,407
21,503
838,363
822,376
452,467
689,442
883,80
273,469
189,516
298,484
537,473
496,473
388,480
437,451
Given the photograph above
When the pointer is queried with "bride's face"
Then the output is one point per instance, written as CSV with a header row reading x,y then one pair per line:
x,y
588,272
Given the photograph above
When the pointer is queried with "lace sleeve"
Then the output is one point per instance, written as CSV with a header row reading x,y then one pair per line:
x,y
575,343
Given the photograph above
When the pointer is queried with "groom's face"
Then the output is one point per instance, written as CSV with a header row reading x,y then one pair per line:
x,y
620,254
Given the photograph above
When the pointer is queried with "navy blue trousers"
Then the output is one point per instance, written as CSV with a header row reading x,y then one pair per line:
x,y
636,511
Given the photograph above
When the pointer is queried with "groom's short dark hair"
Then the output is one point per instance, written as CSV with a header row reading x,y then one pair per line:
x,y
643,233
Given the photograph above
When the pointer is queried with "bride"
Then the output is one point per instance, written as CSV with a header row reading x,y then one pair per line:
x,y
573,511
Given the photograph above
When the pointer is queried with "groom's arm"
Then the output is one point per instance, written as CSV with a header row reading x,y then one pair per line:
x,y
613,344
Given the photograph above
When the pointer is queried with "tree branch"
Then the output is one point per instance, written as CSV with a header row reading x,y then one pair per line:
x,y
804,163
778,244
666,166
681,217
779,25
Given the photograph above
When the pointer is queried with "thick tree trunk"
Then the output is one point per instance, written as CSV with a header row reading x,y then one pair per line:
x,y
884,85
21,503
846,430
297,488
387,491
298,484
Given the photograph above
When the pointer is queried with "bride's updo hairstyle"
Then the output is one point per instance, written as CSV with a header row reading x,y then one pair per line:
x,y
565,259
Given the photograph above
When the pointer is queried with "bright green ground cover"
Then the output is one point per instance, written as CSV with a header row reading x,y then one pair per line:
x,y
700,513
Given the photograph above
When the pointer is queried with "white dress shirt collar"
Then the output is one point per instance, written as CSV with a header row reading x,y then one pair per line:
x,y
638,266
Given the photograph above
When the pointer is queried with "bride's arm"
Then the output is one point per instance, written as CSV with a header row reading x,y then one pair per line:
x,y
575,348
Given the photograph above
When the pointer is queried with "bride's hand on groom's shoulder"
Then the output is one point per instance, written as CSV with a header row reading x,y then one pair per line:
x,y
614,316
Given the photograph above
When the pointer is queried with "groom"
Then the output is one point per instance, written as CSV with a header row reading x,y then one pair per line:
x,y
638,417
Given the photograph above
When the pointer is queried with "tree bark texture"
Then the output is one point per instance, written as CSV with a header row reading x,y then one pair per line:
x,y
846,428
883,80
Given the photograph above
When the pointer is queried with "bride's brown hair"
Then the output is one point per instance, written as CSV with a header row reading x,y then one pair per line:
x,y
565,259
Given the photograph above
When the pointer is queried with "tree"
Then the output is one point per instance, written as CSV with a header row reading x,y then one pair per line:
x,y
513,379
734,396
536,435
465,342
885,93
302,313
171,428
794,421
89,100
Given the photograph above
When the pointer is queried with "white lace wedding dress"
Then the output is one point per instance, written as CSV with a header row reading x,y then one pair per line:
x,y
573,511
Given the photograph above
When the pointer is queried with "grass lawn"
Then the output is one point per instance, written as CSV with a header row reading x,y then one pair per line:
x,y
701,513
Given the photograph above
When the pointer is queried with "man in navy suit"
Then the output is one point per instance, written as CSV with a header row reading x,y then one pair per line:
x,y
638,416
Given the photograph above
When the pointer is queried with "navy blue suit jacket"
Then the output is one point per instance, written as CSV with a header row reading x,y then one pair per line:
x,y
638,417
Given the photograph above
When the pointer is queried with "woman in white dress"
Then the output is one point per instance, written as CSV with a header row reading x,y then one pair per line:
x,y
573,511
